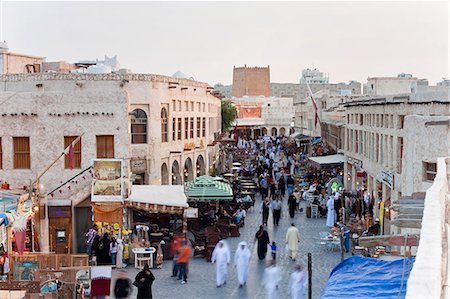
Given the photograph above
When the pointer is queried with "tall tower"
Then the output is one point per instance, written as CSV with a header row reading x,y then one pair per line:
x,y
251,81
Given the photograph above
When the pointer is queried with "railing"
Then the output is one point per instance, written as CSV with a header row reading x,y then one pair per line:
x,y
429,276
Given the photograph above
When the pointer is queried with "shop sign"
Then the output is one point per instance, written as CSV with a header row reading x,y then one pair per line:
x,y
355,162
191,213
107,183
386,177
138,165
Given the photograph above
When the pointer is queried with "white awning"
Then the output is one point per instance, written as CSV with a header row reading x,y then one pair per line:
x,y
158,198
328,160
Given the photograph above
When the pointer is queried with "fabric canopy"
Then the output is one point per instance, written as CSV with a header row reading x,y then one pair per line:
x,y
362,277
331,160
156,198
205,188
8,201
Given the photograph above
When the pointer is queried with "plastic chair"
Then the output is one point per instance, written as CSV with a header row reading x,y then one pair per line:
x,y
314,211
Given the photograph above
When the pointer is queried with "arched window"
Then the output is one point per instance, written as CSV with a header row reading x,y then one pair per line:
x,y
138,126
164,125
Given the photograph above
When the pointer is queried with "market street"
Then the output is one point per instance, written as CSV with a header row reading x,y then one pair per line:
x,y
201,279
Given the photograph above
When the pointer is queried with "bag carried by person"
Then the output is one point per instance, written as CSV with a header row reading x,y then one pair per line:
x,y
138,284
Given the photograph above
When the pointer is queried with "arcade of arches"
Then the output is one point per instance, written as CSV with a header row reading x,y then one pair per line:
x,y
188,171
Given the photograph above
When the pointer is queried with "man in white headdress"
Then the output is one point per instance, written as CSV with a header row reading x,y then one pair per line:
x,y
298,282
221,256
241,262
331,215
271,279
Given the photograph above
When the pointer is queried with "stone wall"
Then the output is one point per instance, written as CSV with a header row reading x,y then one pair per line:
x,y
430,273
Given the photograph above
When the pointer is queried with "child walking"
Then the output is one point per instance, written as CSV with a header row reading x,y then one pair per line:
x,y
274,250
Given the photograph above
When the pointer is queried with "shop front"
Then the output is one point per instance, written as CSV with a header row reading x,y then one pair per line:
x,y
155,212
60,226
385,186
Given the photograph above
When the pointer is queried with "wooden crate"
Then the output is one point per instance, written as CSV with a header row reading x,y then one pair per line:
x,y
63,260
80,260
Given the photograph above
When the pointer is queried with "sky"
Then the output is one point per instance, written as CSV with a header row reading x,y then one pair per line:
x,y
347,40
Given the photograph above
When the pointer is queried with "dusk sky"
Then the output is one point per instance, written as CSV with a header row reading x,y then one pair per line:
x,y
348,40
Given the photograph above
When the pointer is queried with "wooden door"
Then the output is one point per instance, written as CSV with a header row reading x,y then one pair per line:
x,y
60,229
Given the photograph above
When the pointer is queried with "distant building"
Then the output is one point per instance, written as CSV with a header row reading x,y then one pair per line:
x,y
13,63
263,115
300,91
251,81
313,76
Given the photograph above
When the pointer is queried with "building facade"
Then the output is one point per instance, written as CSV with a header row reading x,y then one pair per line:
x,y
299,91
259,116
163,128
385,149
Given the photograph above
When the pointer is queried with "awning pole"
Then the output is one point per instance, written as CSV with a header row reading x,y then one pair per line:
x,y
184,224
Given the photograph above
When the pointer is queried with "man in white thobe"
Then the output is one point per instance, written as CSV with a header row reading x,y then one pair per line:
x,y
331,215
292,240
298,283
241,262
271,279
221,256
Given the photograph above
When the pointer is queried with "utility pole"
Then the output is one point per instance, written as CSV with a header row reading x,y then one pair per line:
x,y
309,275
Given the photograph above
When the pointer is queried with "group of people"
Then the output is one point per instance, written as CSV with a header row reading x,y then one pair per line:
x,y
104,249
221,258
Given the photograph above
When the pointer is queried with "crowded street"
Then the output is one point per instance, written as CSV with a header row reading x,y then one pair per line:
x,y
202,274
260,166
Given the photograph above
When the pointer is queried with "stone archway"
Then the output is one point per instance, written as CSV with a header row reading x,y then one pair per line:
x,y
274,132
200,166
282,131
264,131
164,174
188,173
176,177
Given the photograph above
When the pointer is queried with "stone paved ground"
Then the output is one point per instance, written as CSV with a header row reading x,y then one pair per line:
x,y
201,279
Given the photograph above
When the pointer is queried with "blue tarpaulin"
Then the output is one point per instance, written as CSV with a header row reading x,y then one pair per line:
x,y
362,277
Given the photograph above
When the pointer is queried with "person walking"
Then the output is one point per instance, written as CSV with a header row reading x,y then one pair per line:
x,y
274,249
331,215
276,211
122,287
183,259
265,211
176,242
113,251
221,257
282,185
143,281
103,256
90,236
290,184
241,262
159,255
263,240
271,280
292,240
292,202
119,256
298,282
